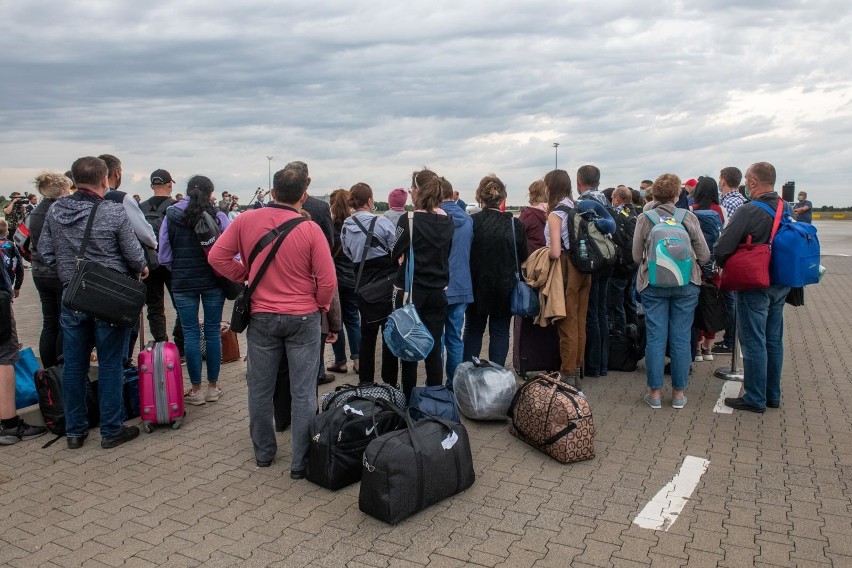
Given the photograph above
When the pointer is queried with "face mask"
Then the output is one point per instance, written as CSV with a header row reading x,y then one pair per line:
x,y
747,193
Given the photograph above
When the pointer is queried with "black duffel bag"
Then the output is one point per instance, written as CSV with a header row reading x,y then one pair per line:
x,y
623,352
410,469
340,436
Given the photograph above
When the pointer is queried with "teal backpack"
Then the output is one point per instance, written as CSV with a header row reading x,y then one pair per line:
x,y
669,253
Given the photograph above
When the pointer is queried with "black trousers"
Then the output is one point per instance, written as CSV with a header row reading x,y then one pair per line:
x,y
431,306
373,318
50,341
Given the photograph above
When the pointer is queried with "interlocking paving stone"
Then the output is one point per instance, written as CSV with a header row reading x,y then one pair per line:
x,y
777,491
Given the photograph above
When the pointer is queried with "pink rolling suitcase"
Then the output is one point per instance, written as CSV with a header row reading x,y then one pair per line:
x,y
160,386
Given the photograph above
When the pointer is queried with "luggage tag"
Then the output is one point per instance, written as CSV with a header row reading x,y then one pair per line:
x,y
349,410
450,440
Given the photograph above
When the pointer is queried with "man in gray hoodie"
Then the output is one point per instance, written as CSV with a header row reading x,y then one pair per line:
x,y
112,244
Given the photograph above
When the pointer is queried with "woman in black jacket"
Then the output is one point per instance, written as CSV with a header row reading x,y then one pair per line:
x,y
492,269
431,240
52,186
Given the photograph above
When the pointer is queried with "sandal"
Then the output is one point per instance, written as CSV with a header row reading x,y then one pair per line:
x,y
337,368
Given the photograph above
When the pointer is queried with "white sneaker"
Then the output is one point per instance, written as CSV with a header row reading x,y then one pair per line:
x,y
194,398
213,394
707,354
698,358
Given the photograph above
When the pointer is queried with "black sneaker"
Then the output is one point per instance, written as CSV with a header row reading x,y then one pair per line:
x,y
721,349
23,431
127,433
739,404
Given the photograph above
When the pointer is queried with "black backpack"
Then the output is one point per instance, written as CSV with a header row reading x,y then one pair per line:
x,y
155,215
625,227
589,249
49,387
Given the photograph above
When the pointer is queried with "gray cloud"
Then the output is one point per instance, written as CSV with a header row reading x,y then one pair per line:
x,y
368,92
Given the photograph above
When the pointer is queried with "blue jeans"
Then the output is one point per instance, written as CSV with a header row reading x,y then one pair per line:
x,y
186,304
498,331
80,333
352,323
668,319
760,325
291,341
597,327
453,339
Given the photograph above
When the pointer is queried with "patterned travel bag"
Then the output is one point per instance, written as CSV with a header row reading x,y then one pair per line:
x,y
343,393
554,418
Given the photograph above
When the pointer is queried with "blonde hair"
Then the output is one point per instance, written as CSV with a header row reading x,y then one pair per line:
x,y
538,192
52,184
666,188
491,191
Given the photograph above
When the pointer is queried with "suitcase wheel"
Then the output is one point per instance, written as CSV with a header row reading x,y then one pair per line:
x,y
147,427
176,424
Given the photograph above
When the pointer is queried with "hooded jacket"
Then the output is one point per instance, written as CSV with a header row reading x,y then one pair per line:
x,y
112,242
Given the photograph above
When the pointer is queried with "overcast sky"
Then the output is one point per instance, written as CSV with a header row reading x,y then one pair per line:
x,y
370,91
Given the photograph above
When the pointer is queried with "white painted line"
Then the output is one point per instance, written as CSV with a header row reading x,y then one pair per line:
x,y
730,389
662,511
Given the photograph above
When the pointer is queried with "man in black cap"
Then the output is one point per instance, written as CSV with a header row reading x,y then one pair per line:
x,y
160,276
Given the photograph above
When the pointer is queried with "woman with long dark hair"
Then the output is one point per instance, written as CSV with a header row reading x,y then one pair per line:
x,y
492,270
365,231
431,239
711,217
194,283
340,211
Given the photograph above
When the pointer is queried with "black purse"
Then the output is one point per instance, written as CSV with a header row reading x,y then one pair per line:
x,y
380,289
241,315
102,292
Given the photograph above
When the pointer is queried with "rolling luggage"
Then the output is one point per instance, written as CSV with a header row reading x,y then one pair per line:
x,y
484,390
160,386
534,348
410,469
340,436
554,418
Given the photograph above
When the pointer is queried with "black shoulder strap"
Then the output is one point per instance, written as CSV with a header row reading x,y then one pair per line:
x,y
268,238
368,237
88,232
281,235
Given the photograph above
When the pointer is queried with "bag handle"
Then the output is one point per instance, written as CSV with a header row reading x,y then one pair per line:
x,y
514,248
368,237
409,268
290,225
88,232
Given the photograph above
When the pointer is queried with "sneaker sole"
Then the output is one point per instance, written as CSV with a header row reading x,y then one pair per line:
x,y
9,440
34,436
194,402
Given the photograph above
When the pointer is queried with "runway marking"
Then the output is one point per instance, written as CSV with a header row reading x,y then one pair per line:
x,y
730,389
662,511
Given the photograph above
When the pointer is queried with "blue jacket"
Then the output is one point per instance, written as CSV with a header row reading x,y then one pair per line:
x,y
605,223
460,289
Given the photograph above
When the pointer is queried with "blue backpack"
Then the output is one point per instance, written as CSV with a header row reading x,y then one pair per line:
x,y
669,253
795,252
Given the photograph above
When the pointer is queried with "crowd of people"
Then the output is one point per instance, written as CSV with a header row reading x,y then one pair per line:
x,y
336,279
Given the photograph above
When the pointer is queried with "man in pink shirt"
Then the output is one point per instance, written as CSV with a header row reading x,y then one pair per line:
x,y
285,311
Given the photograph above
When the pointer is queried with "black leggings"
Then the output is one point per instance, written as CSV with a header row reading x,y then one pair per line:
x,y
50,342
431,306
373,318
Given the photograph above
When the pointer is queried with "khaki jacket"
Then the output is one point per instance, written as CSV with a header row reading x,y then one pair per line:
x,y
545,275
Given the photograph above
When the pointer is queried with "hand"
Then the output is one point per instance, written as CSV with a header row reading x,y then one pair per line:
x,y
144,273
17,293
331,337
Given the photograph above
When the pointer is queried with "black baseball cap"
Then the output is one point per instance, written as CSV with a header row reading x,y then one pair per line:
x,y
161,177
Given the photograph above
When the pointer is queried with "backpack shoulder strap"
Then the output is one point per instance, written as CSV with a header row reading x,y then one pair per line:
x,y
368,237
680,215
653,215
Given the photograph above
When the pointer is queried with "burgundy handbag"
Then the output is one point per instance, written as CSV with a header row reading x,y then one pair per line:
x,y
748,267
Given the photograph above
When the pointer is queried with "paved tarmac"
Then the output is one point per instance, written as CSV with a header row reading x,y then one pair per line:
x,y
777,490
